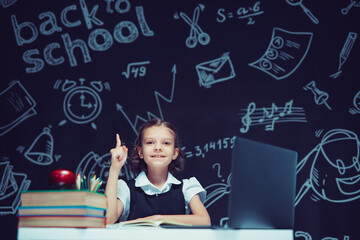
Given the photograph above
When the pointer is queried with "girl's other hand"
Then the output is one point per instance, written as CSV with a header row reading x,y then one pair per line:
x,y
118,154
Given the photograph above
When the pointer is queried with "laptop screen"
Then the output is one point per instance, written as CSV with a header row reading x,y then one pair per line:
x,y
262,187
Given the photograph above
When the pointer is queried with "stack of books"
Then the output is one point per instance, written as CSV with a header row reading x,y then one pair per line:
x,y
62,208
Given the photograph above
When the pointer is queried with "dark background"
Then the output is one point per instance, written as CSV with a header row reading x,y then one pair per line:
x,y
65,131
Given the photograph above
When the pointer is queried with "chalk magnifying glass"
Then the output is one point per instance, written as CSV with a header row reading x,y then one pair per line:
x,y
305,9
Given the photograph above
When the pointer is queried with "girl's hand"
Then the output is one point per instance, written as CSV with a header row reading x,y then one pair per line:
x,y
118,154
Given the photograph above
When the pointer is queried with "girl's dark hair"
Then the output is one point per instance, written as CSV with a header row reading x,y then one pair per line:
x,y
138,164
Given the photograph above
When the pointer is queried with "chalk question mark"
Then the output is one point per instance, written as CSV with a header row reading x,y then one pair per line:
x,y
218,173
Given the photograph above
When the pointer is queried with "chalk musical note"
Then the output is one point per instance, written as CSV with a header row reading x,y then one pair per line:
x,y
246,120
253,116
287,109
264,115
270,127
274,108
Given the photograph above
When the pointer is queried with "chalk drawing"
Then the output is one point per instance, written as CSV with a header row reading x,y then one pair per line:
x,y
93,164
353,3
320,97
216,191
196,33
241,13
305,9
306,236
201,151
18,105
215,71
334,175
284,54
356,103
11,186
150,115
344,54
82,104
7,3
137,69
41,150
253,116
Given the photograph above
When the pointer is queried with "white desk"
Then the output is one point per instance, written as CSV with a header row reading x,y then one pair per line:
x,y
148,233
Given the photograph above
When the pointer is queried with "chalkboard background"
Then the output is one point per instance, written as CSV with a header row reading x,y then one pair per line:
x,y
75,73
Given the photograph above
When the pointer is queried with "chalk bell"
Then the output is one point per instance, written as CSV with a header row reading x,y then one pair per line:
x,y
41,150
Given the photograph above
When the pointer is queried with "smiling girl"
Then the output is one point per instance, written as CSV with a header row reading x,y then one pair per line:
x,y
155,194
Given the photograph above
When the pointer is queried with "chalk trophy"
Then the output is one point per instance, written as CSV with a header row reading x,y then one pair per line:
x,y
41,150
18,105
320,97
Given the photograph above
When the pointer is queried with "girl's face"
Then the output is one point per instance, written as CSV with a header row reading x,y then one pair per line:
x,y
158,147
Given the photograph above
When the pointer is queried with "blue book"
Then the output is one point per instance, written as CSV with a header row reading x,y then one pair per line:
x,y
31,211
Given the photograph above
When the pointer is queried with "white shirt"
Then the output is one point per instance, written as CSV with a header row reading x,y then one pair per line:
x,y
191,187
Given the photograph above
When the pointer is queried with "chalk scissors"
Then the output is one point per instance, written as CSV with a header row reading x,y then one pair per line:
x,y
202,37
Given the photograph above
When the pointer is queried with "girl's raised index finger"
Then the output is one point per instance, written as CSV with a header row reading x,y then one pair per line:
x,y
118,141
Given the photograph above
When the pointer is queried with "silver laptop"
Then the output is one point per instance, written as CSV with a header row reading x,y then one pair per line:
x,y
263,186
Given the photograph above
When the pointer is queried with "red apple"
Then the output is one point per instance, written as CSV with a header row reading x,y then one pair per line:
x,y
62,179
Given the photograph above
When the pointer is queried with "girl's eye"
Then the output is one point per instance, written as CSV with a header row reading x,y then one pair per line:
x,y
149,142
167,143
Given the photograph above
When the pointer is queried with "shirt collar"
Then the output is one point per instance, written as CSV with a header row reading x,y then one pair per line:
x,y
143,181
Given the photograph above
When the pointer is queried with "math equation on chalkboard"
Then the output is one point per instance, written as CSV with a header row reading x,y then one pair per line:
x,y
217,145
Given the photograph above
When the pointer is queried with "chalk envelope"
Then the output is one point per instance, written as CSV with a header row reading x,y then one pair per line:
x,y
284,54
214,71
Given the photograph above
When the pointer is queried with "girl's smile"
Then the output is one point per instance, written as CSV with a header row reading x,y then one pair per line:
x,y
158,148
